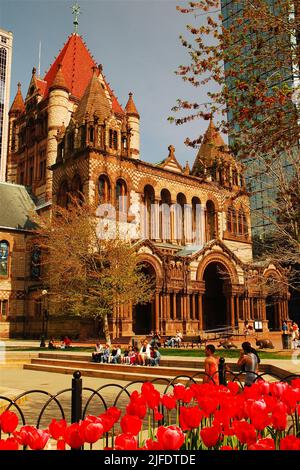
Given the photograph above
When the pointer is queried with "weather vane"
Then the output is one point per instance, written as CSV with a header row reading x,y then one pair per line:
x,y
76,13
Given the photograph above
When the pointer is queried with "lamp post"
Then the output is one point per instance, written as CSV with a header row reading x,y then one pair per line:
x,y
44,318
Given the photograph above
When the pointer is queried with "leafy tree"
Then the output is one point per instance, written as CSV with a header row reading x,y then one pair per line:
x,y
88,274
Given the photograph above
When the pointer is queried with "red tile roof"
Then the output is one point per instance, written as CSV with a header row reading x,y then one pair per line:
x,y
77,68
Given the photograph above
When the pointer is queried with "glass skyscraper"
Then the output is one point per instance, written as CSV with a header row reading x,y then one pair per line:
x,y
262,186
6,42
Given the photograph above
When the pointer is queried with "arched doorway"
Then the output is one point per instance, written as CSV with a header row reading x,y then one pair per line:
x,y
215,313
143,319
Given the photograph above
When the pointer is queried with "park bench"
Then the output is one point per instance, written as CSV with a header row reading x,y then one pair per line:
x,y
193,341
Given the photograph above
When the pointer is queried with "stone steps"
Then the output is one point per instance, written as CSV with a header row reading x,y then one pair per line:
x,y
67,363
128,373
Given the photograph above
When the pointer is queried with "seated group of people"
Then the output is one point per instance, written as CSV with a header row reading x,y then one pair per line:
x,y
146,355
64,344
174,341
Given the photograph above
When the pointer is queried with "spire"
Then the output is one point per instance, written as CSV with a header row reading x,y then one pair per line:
x,y
131,108
187,169
59,81
94,101
212,147
18,105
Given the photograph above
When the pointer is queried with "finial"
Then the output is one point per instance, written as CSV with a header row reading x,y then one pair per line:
x,y
76,13
19,86
171,150
130,94
33,71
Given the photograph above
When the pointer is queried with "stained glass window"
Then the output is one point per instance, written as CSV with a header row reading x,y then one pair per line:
x,y
4,253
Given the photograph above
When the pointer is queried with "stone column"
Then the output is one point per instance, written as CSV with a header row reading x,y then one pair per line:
x,y
168,316
238,307
188,308
232,300
157,309
200,311
193,307
155,226
174,306
202,225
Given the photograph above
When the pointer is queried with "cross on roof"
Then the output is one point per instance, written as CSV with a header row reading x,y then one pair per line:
x,y
76,13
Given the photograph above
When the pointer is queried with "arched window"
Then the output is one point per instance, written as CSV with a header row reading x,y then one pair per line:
x,y
196,219
121,196
181,201
4,255
245,224
231,220
110,138
149,197
115,140
211,221
91,134
103,189
164,216
241,222
63,195
77,188
235,180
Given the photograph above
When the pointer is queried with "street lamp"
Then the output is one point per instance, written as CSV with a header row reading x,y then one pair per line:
x,y
44,318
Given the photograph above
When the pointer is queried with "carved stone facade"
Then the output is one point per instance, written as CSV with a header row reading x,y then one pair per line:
x,y
191,228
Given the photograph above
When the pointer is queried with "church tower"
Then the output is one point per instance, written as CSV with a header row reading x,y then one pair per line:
x,y
133,118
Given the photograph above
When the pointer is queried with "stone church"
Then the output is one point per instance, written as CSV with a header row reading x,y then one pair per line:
x,y
70,135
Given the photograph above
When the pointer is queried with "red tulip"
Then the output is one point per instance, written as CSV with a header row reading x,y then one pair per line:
x,y
73,436
38,439
131,424
170,437
91,432
263,444
151,445
107,422
157,415
290,443
168,401
233,387
8,421
210,436
147,388
153,400
125,442
260,421
61,444
57,428
114,413
188,396
179,391
190,418
208,405
245,432
137,405
226,448
22,436
279,421
9,444
278,388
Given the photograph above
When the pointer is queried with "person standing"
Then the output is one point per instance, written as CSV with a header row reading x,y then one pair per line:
x,y
248,362
284,328
211,365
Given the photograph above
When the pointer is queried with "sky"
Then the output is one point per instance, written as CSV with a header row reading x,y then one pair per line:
x,y
136,41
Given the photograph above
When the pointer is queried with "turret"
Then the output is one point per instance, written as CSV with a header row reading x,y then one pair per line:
x,y
58,114
17,108
133,118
